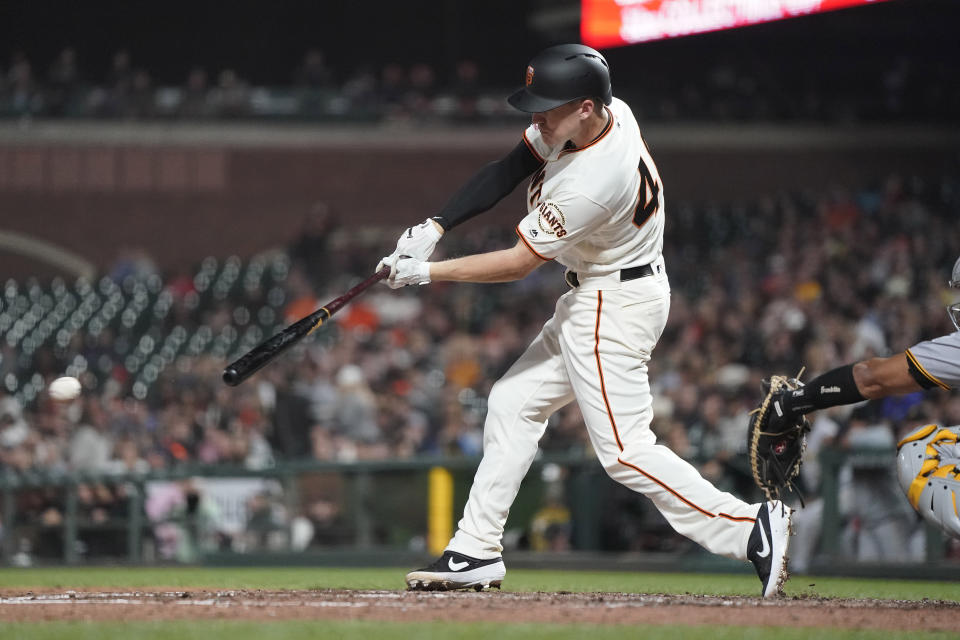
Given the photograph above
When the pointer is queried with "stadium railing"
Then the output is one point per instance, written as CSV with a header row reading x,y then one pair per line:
x,y
384,509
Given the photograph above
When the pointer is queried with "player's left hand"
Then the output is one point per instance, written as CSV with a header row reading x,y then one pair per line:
x,y
417,241
405,270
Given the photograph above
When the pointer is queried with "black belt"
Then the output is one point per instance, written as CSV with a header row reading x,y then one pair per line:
x,y
630,273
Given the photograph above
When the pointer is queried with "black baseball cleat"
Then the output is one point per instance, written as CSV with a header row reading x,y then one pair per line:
x,y
767,546
454,570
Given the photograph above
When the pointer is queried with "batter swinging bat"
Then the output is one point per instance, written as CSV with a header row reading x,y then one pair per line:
x,y
256,358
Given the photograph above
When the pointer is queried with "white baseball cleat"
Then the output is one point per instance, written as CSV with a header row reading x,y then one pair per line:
x,y
767,546
454,570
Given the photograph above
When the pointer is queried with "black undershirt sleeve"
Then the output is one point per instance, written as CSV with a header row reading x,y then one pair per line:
x,y
489,186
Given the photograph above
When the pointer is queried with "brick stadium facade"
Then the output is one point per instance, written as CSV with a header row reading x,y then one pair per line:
x,y
185,192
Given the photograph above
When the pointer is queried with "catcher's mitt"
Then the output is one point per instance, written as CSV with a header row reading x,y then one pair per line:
x,y
775,441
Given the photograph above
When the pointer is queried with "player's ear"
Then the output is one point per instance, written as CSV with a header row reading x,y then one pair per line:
x,y
587,107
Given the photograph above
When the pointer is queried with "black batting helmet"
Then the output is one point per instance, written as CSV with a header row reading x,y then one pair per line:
x,y
562,73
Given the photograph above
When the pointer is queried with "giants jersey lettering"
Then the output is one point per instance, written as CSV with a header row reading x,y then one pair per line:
x,y
599,208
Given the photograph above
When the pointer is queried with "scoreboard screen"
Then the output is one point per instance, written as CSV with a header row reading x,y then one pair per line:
x,y
612,23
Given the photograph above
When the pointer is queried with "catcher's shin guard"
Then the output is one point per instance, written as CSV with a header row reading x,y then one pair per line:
x,y
928,468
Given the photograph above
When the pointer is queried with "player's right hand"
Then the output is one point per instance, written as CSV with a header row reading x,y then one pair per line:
x,y
405,271
417,242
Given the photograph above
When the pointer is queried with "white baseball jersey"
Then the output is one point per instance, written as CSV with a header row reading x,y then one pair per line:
x,y
596,209
583,213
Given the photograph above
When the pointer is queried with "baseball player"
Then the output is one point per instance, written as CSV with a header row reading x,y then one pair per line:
x,y
595,204
926,365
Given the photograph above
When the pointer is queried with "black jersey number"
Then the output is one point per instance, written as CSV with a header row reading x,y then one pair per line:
x,y
648,198
536,186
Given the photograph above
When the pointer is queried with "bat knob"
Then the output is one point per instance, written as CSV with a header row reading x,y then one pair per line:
x,y
231,377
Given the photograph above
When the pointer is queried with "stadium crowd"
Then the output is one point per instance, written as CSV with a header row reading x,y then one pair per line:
x,y
790,280
782,87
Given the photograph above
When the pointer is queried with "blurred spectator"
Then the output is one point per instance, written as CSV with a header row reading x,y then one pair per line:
x,y
808,521
195,102
393,91
313,72
132,262
881,522
186,521
140,104
96,506
259,454
127,459
23,95
321,525
311,249
423,90
230,98
288,415
551,526
266,526
63,81
14,430
354,414
91,445
467,91
361,91
118,86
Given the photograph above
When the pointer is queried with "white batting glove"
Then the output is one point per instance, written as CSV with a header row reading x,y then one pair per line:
x,y
405,271
417,242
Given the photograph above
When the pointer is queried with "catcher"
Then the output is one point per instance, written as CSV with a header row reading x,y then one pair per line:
x,y
929,457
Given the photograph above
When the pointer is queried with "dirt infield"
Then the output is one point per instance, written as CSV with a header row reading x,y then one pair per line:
x,y
401,606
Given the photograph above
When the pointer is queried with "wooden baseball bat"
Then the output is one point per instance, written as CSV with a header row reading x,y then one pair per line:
x,y
259,356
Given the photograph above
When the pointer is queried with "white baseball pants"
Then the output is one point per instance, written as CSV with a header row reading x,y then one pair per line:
x,y
595,349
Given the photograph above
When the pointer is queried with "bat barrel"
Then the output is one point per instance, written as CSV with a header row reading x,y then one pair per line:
x,y
251,362
255,359
231,376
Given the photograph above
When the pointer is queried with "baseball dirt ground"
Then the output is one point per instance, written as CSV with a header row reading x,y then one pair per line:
x,y
400,606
